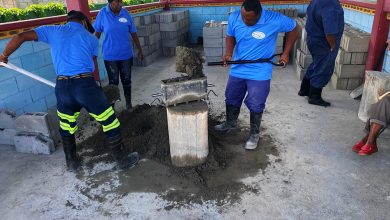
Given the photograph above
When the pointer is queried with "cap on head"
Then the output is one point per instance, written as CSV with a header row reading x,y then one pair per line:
x,y
78,15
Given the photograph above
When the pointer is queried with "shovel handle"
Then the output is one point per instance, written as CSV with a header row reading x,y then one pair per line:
x,y
267,60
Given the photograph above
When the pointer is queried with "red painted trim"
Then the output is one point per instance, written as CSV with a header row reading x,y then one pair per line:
x,y
379,34
32,23
361,4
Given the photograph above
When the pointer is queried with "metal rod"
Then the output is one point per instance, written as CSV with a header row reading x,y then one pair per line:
x,y
25,72
267,60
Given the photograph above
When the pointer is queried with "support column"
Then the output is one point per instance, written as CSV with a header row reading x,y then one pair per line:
x,y
379,34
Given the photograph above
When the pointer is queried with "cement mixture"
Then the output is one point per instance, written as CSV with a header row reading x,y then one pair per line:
x,y
145,130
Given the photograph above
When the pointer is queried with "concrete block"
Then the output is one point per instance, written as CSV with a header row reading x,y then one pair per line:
x,y
168,35
147,19
148,59
174,26
349,71
7,136
155,28
339,83
188,134
137,21
354,83
343,57
169,51
144,31
375,85
33,122
40,91
299,70
152,39
213,59
173,43
355,41
212,42
279,41
34,143
305,60
304,47
358,58
279,49
213,51
212,32
7,119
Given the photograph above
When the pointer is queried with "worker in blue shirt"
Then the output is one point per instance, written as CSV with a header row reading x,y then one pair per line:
x,y
324,27
252,33
74,49
116,24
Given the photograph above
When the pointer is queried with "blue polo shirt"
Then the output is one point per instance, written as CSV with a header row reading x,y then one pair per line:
x,y
72,47
325,18
117,44
256,42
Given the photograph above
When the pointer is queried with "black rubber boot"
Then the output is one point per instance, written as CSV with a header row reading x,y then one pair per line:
x,y
255,121
315,97
123,160
232,113
127,93
72,160
305,87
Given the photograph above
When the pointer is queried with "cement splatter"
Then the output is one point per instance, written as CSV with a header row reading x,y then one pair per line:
x,y
145,130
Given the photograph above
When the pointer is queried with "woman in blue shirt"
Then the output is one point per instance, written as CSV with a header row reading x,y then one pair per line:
x,y
116,24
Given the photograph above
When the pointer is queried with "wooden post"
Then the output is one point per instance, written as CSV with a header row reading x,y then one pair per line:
x,y
188,133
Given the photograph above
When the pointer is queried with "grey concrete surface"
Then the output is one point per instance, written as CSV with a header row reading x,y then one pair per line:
x,y
319,177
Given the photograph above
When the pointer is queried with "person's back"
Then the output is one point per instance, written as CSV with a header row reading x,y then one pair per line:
x,y
325,17
72,47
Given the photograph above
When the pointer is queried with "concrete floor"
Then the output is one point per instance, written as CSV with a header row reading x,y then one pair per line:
x,y
319,177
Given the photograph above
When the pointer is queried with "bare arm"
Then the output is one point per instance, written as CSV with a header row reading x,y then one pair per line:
x,y
15,43
230,44
291,37
136,41
331,41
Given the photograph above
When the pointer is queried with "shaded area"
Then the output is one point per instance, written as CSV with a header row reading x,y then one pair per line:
x,y
145,130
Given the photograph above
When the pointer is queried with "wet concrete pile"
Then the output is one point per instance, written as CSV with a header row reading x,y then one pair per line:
x,y
145,130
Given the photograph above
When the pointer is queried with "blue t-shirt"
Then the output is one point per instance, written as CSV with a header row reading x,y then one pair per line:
x,y
117,44
256,42
325,18
72,47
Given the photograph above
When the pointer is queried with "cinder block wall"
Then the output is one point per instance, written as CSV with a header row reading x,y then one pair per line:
x,y
199,15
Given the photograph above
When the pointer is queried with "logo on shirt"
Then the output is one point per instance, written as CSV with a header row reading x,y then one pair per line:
x,y
123,20
258,35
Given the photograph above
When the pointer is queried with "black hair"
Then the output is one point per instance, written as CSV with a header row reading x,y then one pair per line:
x,y
252,5
109,1
78,15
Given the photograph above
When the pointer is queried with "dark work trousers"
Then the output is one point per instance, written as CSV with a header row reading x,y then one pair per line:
x,y
321,69
379,113
255,93
75,93
118,68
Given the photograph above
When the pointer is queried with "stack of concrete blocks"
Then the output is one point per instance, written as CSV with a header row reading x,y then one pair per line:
x,y
148,32
214,40
279,43
303,57
174,27
33,134
351,59
289,12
